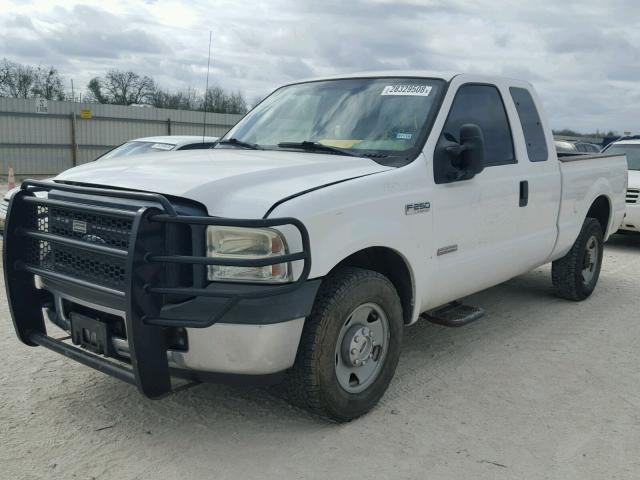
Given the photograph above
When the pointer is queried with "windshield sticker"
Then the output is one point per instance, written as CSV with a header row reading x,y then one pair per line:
x,y
339,143
404,136
162,146
413,90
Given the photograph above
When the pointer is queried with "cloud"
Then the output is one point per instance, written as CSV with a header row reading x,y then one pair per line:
x,y
581,55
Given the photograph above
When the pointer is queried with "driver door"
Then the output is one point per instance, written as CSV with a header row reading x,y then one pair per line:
x,y
475,220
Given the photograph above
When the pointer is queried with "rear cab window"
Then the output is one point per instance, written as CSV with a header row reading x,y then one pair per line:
x,y
534,137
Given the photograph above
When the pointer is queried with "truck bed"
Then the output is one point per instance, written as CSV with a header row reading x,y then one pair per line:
x,y
585,177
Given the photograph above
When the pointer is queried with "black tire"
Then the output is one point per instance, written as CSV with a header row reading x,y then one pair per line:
x,y
312,382
567,272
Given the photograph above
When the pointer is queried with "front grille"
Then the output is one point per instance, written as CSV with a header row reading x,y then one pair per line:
x,y
633,195
93,267
107,230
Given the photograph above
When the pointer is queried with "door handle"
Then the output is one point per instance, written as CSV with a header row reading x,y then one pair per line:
x,y
524,193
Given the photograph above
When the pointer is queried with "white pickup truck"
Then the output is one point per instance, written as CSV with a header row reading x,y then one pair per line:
x,y
334,214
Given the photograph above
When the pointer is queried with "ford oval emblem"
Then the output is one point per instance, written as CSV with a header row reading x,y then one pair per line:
x,y
93,239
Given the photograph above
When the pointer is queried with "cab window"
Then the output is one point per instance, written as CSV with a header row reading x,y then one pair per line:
x,y
531,125
483,105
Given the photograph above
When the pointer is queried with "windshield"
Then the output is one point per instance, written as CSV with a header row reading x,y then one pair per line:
x,y
135,148
377,117
632,152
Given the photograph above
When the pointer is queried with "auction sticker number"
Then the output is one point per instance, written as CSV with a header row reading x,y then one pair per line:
x,y
414,90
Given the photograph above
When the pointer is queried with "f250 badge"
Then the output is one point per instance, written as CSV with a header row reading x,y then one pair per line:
x,y
418,207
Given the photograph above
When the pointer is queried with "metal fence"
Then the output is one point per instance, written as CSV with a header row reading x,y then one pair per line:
x,y
42,138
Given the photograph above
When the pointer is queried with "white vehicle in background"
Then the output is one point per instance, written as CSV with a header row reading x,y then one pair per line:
x,y
169,143
334,214
138,146
562,146
630,148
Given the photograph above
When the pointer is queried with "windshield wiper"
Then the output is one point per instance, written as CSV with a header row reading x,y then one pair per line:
x,y
239,143
318,147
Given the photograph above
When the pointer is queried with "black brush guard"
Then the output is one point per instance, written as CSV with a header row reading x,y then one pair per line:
x,y
144,287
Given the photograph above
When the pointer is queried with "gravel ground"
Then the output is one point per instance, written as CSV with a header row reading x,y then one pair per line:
x,y
540,388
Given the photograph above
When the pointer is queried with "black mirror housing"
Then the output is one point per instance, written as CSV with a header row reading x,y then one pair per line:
x,y
472,141
455,161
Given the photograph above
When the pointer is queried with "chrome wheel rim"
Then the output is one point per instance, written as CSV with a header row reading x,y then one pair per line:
x,y
362,347
590,260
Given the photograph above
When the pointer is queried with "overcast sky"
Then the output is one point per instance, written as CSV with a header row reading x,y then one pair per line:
x,y
583,57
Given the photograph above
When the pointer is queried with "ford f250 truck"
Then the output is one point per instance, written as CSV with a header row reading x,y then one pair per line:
x,y
334,214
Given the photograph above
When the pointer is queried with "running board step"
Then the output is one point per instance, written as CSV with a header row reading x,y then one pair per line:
x,y
454,314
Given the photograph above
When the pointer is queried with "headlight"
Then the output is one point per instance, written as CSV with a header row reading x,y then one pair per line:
x,y
246,243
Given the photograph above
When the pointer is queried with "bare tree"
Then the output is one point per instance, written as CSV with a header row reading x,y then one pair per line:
x,y
95,91
48,84
126,88
25,81
182,100
217,100
122,88
16,80
4,77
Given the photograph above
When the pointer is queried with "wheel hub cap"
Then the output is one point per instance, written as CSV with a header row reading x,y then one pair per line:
x,y
357,346
361,347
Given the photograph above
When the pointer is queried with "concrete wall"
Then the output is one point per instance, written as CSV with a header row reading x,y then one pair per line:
x,y
44,144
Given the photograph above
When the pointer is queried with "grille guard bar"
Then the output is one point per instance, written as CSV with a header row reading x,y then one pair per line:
x,y
144,291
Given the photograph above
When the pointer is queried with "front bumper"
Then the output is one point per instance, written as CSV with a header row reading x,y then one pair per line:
x,y
230,328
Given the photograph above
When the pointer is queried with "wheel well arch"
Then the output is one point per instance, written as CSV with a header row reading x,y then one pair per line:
x,y
600,209
392,265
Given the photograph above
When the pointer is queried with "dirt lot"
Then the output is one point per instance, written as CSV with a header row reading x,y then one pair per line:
x,y
540,388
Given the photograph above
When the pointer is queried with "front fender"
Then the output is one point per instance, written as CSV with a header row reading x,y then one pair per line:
x,y
363,213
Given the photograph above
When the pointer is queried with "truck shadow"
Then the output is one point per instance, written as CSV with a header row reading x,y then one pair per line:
x,y
624,242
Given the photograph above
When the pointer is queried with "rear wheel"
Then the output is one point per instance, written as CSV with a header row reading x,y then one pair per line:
x,y
576,274
350,345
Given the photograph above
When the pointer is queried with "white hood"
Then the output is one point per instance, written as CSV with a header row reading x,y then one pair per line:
x,y
229,182
634,178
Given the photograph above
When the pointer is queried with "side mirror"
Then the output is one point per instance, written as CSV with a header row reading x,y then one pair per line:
x,y
472,141
455,161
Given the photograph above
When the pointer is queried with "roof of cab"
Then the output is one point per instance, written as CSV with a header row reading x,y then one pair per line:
x,y
446,76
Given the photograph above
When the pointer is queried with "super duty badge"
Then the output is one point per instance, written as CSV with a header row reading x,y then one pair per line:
x,y
419,207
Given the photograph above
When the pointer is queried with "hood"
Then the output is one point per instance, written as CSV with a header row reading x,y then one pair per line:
x,y
634,178
229,182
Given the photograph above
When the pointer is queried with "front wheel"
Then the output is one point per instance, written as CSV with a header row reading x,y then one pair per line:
x,y
350,345
576,274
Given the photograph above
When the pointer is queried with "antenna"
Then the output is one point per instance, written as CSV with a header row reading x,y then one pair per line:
x,y
206,91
